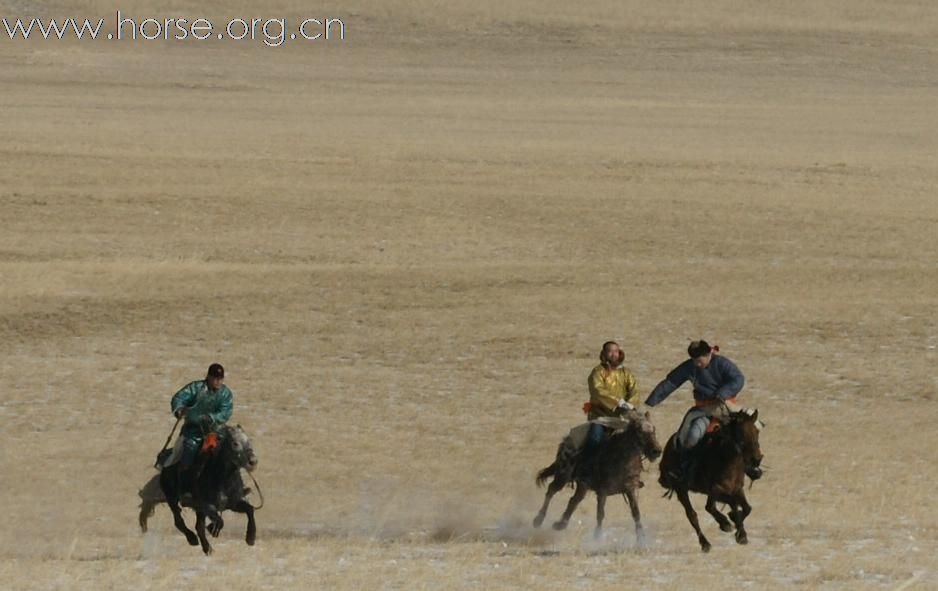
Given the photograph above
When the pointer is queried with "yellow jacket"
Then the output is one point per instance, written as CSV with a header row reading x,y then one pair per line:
x,y
607,387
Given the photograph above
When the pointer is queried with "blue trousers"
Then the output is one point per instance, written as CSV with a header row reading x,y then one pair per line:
x,y
191,444
593,436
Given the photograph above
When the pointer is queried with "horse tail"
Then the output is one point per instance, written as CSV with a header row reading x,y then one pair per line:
x,y
146,512
563,465
546,473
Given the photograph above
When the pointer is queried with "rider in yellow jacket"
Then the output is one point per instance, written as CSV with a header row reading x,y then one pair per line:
x,y
610,384
613,391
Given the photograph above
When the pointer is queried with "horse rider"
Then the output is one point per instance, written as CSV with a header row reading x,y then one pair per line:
x,y
716,381
613,392
206,405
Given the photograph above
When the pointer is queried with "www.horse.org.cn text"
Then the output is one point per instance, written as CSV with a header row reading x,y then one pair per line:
x,y
272,32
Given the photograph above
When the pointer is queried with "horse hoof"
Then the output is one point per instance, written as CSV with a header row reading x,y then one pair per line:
x,y
250,540
726,527
538,521
742,538
560,525
193,540
705,546
208,551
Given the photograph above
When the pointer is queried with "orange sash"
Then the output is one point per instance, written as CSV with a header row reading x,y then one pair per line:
x,y
210,444
713,401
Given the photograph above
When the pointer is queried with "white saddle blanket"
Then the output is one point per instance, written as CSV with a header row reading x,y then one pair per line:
x,y
176,455
578,434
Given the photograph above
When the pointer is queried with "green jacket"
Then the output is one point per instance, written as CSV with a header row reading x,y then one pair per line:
x,y
201,402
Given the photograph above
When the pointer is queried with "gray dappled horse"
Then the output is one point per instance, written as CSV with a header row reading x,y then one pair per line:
x,y
218,487
617,470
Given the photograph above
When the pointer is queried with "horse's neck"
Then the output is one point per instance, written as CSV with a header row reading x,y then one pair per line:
x,y
222,463
726,442
628,441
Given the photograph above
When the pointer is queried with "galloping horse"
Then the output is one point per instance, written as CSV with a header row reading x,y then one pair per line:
x,y
725,457
219,487
617,471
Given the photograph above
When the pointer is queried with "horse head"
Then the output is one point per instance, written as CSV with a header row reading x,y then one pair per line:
x,y
646,434
745,427
240,449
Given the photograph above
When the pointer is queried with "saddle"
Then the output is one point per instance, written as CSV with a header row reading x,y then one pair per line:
x,y
717,420
578,434
169,455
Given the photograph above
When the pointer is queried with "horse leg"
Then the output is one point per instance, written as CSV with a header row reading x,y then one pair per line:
x,y
725,524
578,495
173,503
692,517
215,526
243,506
200,529
632,498
600,514
739,515
169,485
216,523
555,485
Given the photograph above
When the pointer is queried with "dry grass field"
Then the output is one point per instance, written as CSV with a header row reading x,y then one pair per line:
x,y
407,247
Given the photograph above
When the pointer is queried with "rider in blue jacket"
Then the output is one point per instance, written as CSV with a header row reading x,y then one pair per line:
x,y
716,381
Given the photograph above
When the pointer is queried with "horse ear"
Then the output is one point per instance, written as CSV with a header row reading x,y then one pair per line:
x,y
755,415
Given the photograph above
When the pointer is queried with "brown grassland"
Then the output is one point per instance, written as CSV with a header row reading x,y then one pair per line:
x,y
407,247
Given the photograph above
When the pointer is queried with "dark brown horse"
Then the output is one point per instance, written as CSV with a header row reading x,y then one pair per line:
x,y
617,470
724,458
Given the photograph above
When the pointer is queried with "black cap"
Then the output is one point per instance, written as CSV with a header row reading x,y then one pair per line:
x,y
215,370
699,348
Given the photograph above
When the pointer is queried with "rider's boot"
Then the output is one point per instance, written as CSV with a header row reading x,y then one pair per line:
x,y
186,474
685,467
586,463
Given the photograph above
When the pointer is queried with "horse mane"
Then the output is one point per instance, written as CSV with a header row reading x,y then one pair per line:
x,y
632,432
725,433
223,458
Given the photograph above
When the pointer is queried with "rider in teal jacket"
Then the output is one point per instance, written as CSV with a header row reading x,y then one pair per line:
x,y
207,405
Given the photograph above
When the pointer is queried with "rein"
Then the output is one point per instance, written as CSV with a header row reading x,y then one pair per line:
x,y
254,480
257,486
259,492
